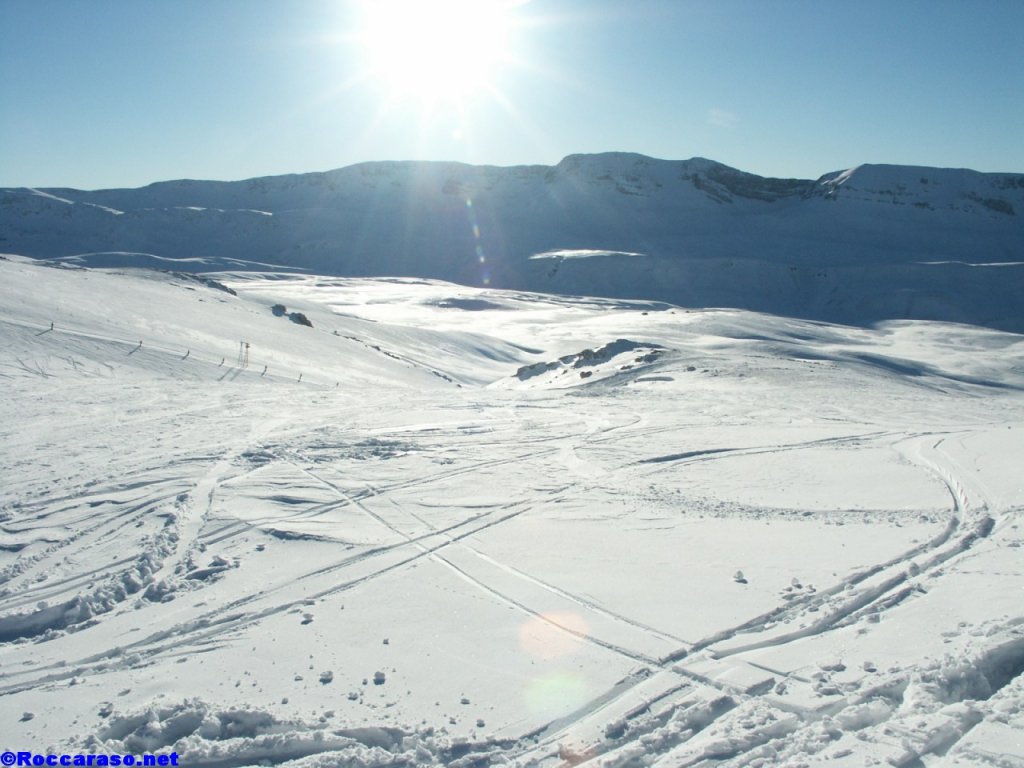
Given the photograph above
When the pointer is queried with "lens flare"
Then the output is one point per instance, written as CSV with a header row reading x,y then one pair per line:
x,y
552,635
478,249
556,694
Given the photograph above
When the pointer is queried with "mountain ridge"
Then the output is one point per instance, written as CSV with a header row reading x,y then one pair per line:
x,y
706,234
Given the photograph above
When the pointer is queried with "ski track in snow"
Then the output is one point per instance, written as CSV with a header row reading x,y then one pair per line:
x,y
926,450
434,552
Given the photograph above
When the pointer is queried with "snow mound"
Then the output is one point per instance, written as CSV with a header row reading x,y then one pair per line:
x,y
594,364
205,735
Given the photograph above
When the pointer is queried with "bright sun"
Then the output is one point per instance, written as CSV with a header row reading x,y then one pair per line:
x,y
436,50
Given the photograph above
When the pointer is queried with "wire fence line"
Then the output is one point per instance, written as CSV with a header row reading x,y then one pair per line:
x,y
234,363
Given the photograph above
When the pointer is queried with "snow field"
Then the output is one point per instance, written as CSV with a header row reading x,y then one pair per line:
x,y
415,556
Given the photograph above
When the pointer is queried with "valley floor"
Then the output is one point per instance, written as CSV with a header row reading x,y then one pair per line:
x,y
463,527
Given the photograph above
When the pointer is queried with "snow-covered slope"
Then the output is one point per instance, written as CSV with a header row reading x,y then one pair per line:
x,y
870,243
425,524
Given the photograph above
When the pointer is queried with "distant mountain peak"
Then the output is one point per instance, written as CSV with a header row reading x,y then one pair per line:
x,y
955,190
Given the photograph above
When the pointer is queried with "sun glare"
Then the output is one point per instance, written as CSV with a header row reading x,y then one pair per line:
x,y
436,50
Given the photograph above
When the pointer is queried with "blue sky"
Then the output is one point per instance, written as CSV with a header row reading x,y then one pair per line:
x,y
110,93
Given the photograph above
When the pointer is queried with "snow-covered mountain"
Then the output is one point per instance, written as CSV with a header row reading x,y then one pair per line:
x,y
870,243
257,508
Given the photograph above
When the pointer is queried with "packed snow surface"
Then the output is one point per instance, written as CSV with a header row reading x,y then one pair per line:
x,y
288,519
